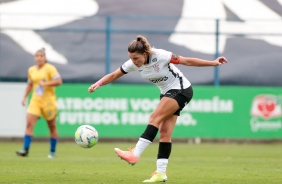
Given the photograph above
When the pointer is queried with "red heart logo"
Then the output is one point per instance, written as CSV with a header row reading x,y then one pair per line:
x,y
260,106
270,105
266,108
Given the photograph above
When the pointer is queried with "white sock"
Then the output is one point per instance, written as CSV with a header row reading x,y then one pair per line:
x,y
161,165
141,145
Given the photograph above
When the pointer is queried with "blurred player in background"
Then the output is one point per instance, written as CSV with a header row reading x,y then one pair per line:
x,y
157,66
42,80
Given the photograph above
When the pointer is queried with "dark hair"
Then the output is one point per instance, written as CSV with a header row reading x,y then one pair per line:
x,y
43,51
140,45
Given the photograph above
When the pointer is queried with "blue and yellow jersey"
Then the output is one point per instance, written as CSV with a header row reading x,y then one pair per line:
x,y
46,73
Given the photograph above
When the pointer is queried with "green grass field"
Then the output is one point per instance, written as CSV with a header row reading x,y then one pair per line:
x,y
199,164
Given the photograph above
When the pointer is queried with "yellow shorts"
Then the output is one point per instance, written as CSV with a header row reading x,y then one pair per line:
x,y
47,109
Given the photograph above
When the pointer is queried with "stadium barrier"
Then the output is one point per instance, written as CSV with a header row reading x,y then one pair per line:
x,y
122,111
105,34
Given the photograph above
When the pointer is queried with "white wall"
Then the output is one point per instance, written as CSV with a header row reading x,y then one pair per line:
x,y
12,113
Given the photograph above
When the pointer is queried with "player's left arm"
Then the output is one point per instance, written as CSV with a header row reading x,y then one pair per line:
x,y
55,76
188,61
55,82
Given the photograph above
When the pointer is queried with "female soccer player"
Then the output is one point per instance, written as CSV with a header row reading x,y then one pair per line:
x,y
42,79
157,66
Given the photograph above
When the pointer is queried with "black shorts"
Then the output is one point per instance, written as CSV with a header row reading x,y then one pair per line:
x,y
182,97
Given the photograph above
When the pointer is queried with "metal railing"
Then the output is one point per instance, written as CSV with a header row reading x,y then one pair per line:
x,y
112,25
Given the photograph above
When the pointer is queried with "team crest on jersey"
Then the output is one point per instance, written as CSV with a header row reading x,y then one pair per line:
x,y
156,68
154,60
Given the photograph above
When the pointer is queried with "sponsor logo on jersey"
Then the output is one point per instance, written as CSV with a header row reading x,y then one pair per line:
x,y
156,68
159,79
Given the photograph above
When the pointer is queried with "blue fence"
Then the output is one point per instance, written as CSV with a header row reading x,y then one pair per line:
x,y
114,25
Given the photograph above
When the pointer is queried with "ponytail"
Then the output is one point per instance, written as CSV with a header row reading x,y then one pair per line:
x,y
140,45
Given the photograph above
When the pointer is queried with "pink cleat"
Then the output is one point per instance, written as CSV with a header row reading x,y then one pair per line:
x,y
127,156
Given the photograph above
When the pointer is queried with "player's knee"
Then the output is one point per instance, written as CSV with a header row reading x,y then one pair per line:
x,y
30,125
155,119
52,127
165,133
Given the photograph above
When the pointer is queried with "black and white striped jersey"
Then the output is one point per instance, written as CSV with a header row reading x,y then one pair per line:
x,y
160,71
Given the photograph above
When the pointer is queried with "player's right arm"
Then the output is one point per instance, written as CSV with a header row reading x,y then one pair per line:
x,y
106,80
28,87
27,91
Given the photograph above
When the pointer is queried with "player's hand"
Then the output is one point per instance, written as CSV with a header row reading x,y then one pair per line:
x,y
23,101
220,60
42,83
93,87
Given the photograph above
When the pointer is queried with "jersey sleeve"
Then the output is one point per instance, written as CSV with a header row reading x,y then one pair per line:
x,y
29,80
174,59
128,66
53,72
169,57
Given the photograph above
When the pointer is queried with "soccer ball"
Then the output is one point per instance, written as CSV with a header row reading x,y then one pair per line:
x,y
86,136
